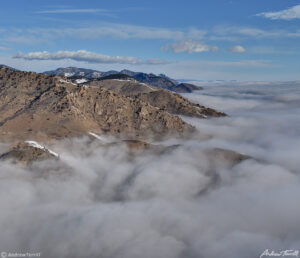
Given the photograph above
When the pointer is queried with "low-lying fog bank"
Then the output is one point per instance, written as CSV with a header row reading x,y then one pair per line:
x,y
97,202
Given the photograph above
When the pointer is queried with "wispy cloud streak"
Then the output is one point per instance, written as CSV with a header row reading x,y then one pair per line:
x,y
287,14
3,48
86,56
63,11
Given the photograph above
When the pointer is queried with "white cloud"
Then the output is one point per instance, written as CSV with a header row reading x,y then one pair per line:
x,y
103,30
230,31
63,11
287,14
85,56
190,47
79,11
3,48
237,49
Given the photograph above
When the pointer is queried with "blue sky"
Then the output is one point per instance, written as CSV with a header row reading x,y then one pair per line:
x,y
197,40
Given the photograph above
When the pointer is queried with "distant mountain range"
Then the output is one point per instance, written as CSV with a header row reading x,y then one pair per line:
x,y
159,81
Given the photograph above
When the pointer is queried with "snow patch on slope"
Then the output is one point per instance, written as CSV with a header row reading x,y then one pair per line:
x,y
101,138
79,81
35,144
69,74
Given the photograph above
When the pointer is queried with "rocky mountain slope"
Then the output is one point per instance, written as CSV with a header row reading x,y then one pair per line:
x,y
41,106
27,153
176,104
158,81
160,98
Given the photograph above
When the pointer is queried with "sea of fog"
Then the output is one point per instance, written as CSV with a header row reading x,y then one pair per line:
x,y
102,204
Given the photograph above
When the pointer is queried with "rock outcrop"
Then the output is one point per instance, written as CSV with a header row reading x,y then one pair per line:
x,y
176,104
127,87
27,153
163,99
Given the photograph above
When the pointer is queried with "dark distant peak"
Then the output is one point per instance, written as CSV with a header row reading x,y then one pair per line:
x,y
76,69
147,75
142,75
154,80
185,88
104,74
128,72
7,67
117,77
164,76
168,78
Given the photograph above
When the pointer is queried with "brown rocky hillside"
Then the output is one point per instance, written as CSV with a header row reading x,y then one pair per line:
x,y
39,105
160,98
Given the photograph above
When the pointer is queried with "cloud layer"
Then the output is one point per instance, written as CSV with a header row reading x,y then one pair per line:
x,y
287,14
237,49
85,56
181,203
190,47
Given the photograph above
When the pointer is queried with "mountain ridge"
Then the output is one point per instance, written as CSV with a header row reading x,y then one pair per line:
x,y
159,81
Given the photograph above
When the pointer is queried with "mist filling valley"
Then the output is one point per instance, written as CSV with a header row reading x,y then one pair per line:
x,y
104,202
